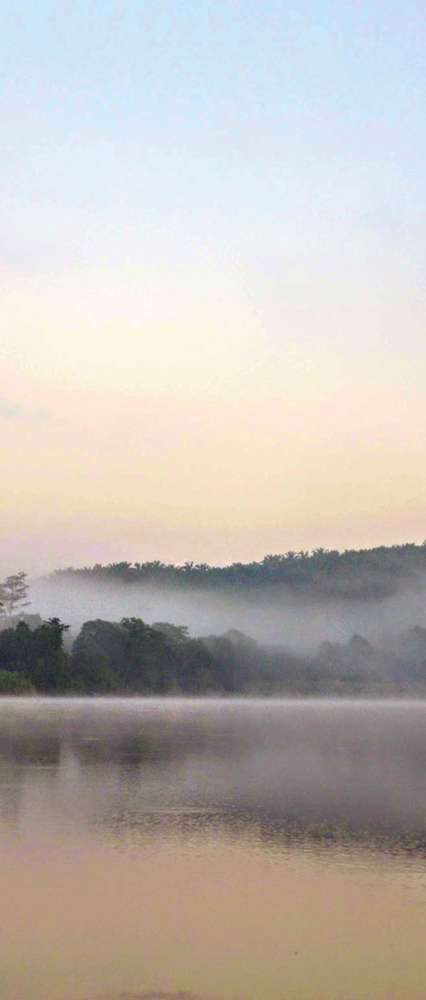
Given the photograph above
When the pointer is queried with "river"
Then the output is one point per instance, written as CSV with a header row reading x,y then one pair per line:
x,y
212,849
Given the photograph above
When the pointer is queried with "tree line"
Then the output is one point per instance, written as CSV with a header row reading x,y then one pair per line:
x,y
365,574
132,657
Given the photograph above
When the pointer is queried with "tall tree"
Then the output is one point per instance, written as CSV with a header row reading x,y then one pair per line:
x,y
13,594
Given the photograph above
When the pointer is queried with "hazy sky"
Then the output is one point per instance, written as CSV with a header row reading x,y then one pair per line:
x,y
213,233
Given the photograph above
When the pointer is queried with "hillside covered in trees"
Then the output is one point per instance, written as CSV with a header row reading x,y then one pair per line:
x,y
366,574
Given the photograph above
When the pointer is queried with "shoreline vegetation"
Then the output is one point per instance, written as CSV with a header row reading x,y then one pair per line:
x,y
132,658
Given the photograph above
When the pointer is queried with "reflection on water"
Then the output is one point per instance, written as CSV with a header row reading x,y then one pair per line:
x,y
224,849
154,996
279,770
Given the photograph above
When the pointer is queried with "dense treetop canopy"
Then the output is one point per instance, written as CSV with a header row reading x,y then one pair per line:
x,y
365,574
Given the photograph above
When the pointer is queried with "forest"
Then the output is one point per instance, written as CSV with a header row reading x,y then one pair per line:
x,y
365,574
132,657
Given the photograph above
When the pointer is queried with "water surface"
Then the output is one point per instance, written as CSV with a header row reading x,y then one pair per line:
x,y
232,850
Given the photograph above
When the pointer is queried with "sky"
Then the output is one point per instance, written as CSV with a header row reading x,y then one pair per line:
x,y
212,263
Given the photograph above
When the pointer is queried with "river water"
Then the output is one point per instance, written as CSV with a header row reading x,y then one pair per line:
x,y
212,849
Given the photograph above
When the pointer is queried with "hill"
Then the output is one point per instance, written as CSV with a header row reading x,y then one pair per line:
x,y
327,574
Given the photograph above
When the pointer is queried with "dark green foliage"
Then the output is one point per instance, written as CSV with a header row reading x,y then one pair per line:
x,y
98,657
12,682
51,669
234,661
177,634
150,660
133,657
368,574
37,654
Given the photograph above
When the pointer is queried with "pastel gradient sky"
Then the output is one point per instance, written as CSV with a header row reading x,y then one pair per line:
x,y
213,235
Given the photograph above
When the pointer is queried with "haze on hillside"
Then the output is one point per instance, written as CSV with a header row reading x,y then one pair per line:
x,y
298,600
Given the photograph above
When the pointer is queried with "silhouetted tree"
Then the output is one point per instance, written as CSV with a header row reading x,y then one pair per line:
x,y
13,594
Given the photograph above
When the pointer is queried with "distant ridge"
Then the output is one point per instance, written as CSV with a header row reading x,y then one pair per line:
x,y
353,574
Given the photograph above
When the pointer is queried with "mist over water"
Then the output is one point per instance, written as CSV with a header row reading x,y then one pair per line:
x,y
212,849
319,769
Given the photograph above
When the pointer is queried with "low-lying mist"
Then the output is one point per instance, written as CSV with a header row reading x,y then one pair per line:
x,y
321,768
270,614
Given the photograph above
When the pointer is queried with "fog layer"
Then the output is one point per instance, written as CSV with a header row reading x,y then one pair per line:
x,y
292,768
269,614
